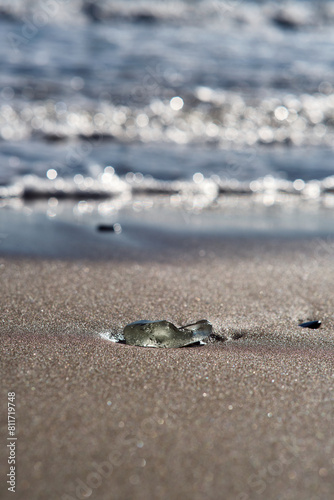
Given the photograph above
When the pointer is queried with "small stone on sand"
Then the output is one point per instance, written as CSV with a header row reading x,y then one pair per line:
x,y
164,334
311,324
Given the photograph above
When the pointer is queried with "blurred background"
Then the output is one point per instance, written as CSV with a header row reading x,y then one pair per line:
x,y
193,104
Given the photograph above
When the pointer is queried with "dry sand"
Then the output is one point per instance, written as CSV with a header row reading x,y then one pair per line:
x,y
248,418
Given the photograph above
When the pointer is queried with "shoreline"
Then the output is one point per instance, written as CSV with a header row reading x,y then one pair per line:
x,y
161,233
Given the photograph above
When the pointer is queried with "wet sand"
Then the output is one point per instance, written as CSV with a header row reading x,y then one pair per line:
x,y
249,417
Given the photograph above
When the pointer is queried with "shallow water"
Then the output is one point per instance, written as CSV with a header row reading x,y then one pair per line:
x,y
69,230
115,97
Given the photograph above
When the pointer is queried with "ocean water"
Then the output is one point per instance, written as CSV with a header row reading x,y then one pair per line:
x,y
195,99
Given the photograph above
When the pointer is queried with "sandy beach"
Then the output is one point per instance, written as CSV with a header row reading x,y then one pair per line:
x,y
247,417
166,160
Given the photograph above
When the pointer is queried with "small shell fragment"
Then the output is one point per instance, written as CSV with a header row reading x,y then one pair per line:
x,y
311,324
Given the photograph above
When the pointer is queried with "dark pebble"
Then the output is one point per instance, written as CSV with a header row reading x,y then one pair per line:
x,y
106,227
311,324
54,138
